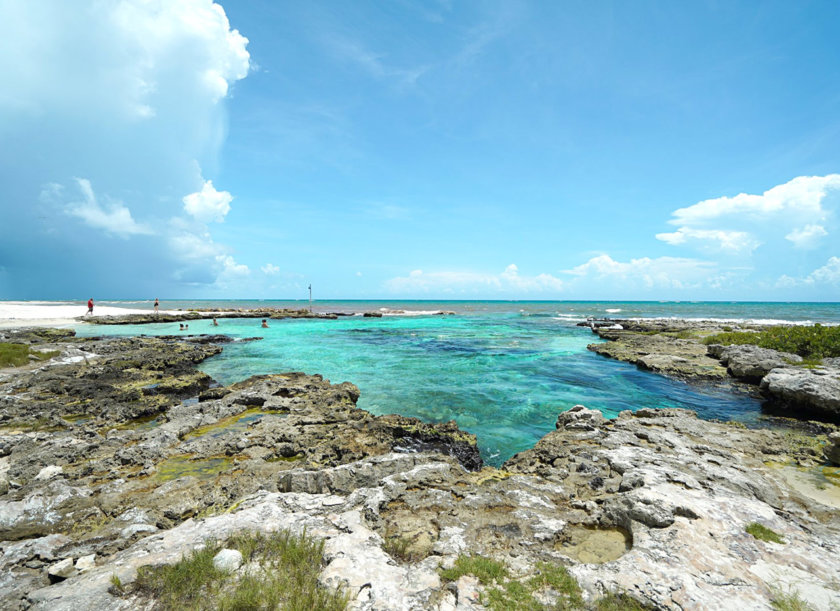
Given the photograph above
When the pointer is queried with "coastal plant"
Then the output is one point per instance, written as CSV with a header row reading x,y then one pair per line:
x,y
117,584
813,342
281,571
485,570
761,532
619,602
788,600
554,582
15,355
400,548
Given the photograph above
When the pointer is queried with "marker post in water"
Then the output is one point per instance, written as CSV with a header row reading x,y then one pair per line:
x,y
310,299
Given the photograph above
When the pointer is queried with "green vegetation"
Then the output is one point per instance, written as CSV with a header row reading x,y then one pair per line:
x,y
15,355
484,569
284,575
763,533
811,343
400,548
504,594
788,601
117,584
618,602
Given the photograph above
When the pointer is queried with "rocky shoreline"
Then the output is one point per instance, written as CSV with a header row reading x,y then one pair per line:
x,y
790,387
118,453
198,314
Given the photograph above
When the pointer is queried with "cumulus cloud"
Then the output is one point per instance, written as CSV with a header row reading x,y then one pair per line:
x,y
802,196
662,272
230,267
269,269
826,275
741,223
130,96
508,281
728,241
208,204
807,237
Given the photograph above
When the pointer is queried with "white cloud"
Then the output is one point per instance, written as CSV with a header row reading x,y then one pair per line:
x,y
727,241
270,269
807,237
130,95
114,218
827,274
119,56
208,205
740,224
467,282
663,272
802,196
229,267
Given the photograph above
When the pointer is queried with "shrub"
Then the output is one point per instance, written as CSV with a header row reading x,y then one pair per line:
x,y
283,574
811,342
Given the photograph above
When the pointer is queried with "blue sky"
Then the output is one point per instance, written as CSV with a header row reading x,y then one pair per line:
x,y
515,150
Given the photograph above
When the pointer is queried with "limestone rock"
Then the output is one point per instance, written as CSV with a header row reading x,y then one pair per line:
x,y
581,418
680,358
85,563
751,363
61,570
804,391
832,450
227,560
48,472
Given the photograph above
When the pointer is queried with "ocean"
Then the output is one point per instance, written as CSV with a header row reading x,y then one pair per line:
x,y
502,370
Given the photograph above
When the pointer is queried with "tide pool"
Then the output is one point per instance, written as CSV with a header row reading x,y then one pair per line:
x,y
500,375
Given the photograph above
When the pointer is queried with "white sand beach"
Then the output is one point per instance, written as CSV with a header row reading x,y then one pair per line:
x,y
54,314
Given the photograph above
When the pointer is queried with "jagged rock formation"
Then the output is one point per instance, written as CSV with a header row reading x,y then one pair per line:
x,y
673,348
654,504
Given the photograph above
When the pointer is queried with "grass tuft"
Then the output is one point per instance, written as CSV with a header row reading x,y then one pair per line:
x,y
558,579
619,602
761,532
788,601
484,569
400,548
282,573
15,355
554,583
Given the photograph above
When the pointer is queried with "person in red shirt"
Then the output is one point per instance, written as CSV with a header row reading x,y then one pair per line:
x,y
90,306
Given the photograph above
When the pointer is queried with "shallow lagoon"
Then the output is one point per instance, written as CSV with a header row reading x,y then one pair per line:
x,y
500,375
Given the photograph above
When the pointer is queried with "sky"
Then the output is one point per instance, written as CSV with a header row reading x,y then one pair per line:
x,y
428,149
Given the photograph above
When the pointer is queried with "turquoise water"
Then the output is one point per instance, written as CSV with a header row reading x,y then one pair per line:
x,y
502,370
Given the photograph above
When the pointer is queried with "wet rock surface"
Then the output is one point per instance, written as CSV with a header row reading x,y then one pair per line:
x,y
655,350
128,456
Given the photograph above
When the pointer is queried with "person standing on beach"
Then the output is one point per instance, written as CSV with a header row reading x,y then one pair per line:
x,y
157,304
90,306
